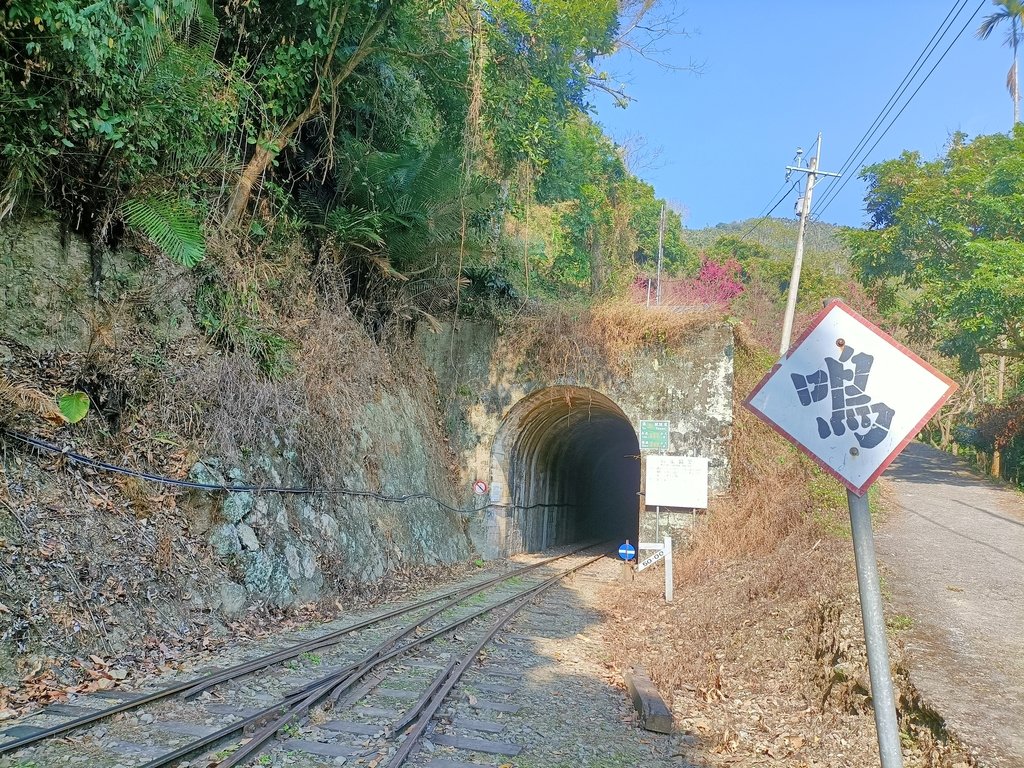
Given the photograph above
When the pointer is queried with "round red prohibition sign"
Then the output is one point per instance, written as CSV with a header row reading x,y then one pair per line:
x,y
479,487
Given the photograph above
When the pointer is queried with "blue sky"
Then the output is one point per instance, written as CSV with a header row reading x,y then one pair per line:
x,y
775,74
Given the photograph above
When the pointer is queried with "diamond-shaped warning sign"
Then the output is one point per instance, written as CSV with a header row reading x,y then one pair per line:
x,y
850,396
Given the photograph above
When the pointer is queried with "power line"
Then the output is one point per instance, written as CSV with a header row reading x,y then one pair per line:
x,y
905,105
926,52
772,197
763,215
761,220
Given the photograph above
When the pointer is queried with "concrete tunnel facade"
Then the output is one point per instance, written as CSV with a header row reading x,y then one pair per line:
x,y
565,467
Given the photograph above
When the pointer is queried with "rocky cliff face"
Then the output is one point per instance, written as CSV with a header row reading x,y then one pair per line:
x,y
296,548
342,413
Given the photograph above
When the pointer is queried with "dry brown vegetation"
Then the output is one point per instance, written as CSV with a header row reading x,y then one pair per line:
x,y
565,341
115,558
762,651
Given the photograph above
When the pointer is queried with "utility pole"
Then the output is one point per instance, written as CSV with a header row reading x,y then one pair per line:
x,y
798,259
661,250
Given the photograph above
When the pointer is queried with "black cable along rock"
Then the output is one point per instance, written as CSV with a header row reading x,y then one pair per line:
x,y
78,458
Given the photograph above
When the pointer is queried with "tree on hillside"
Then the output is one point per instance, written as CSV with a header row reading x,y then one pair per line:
x,y
1012,13
118,99
302,73
944,252
607,219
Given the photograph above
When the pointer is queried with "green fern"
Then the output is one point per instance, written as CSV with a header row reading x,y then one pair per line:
x,y
194,29
423,200
355,226
170,223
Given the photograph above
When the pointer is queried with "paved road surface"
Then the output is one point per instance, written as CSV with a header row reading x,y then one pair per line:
x,y
954,557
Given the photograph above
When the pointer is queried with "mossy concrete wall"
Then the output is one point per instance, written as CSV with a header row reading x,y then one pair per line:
x,y
689,385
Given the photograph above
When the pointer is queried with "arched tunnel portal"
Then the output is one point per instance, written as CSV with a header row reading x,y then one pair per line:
x,y
569,460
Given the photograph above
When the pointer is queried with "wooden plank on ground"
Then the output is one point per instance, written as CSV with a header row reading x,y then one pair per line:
x,y
360,729
493,688
21,730
501,672
320,748
397,693
479,725
188,729
494,706
654,714
477,745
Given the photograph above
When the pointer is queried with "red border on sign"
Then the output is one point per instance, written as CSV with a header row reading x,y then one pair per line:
x,y
862,489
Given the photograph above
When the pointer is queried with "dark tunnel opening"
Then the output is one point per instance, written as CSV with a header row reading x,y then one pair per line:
x,y
571,461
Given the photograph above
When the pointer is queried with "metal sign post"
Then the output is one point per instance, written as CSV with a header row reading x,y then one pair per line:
x,y
851,398
662,551
668,569
882,697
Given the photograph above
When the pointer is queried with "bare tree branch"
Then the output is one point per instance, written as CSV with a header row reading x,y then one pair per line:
x,y
645,24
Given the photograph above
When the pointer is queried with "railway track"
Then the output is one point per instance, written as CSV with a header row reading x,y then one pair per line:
x,y
366,693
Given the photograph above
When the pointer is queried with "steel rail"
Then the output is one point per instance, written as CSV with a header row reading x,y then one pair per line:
x,y
299,701
331,638
254,720
321,689
443,686
190,688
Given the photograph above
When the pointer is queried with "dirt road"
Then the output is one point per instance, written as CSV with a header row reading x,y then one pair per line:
x,y
953,557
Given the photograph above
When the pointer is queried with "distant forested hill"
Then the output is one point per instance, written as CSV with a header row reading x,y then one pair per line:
x,y
822,245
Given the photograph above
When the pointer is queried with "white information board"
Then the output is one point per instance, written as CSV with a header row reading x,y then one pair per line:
x,y
850,396
676,481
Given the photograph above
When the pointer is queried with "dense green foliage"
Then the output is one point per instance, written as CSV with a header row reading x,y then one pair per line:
x,y
944,256
605,221
764,250
412,136
103,100
944,252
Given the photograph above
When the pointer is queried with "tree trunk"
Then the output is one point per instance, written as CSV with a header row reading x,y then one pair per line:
x,y
997,457
1016,90
272,145
240,195
596,261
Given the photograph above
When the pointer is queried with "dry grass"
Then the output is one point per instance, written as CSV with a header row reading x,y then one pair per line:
x,y
762,650
562,341
778,500
339,367
760,546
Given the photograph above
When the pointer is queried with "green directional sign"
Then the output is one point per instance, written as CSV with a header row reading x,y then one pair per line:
x,y
653,435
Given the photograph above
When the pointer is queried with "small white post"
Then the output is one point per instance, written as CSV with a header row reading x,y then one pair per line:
x,y
668,569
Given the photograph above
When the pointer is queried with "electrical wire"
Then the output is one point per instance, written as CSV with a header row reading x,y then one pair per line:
x,y
763,214
926,52
772,197
78,458
763,218
866,155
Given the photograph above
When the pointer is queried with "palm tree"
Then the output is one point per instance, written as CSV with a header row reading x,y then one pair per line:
x,y
1013,12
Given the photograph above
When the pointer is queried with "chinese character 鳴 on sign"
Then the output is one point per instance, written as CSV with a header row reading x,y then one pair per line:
x,y
849,396
852,407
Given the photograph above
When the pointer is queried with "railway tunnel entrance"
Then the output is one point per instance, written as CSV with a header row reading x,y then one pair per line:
x,y
566,465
